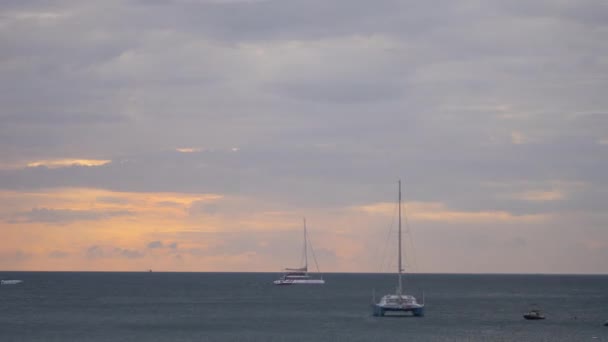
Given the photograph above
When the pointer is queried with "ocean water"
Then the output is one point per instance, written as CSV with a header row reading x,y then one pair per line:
x,y
81,306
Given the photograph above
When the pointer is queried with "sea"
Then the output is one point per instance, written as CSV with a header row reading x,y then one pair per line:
x,y
158,306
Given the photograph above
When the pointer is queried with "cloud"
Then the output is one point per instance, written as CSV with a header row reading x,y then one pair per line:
x,y
170,204
340,92
94,252
518,138
540,196
55,118
63,216
112,200
67,162
203,207
97,252
328,103
517,242
188,149
171,247
58,254
15,256
128,253
439,212
155,244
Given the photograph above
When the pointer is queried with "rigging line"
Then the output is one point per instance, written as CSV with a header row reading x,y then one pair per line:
x,y
392,252
386,259
303,260
390,266
314,257
411,238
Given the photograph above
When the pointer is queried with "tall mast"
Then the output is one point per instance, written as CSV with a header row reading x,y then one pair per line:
x,y
305,247
399,289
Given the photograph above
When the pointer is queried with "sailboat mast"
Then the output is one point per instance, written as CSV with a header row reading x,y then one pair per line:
x,y
305,247
399,289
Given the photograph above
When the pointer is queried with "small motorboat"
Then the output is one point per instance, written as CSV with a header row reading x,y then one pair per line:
x,y
10,282
534,314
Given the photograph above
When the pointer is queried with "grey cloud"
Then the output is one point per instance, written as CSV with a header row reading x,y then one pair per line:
x,y
169,204
155,244
33,4
128,253
280,245
257,20
204,208
16,256
280,172
61,216
59,118
94,252
340,92
112,200
195,251
517,242
99,252
328,101
265,21
171,247
586,12
58,254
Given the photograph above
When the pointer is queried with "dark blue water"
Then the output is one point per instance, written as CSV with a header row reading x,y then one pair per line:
x,y
247,307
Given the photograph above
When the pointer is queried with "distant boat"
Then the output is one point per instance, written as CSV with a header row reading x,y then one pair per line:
x,y
293,276
10,282
534,314
398,302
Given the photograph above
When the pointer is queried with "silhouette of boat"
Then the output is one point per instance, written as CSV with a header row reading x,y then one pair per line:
x,y
293,276
398,302
534,314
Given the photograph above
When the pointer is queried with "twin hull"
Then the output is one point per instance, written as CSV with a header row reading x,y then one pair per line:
x,y
381,310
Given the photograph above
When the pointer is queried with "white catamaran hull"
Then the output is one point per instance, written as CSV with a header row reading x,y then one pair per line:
x,y
381,310
298,281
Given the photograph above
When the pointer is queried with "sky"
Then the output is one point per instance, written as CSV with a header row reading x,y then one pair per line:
x,y
194,135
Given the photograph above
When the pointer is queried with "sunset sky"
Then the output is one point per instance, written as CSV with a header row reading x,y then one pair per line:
x,y
194,135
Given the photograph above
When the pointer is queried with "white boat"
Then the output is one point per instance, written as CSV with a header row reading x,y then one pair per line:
x,y
300,275
10,282
398,302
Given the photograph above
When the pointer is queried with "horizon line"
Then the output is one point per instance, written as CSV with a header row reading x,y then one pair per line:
x,y
267,272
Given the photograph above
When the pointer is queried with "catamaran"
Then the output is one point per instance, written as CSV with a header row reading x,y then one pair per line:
x,y
398,302
300,275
